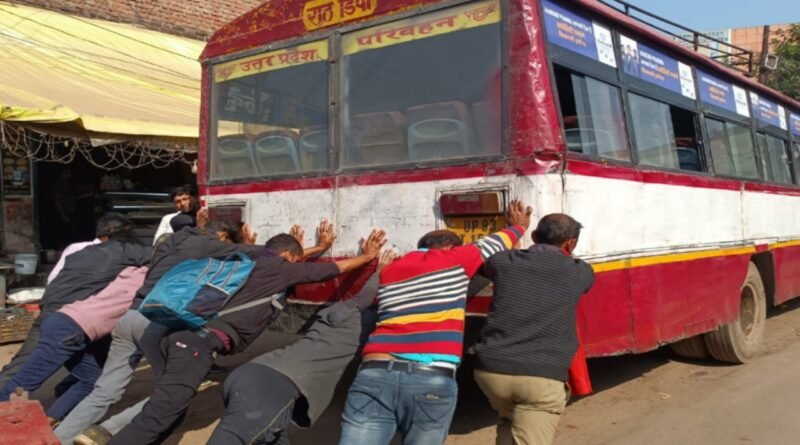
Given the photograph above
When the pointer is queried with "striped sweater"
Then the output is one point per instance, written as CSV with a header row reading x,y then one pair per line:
x,y
422,300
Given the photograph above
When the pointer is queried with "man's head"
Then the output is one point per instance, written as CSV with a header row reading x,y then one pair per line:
x,y
285,246
224,231
559,230
182,220
182,198
439,239
115,227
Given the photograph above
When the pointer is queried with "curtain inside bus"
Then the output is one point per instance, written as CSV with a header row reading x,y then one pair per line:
x,y
423,88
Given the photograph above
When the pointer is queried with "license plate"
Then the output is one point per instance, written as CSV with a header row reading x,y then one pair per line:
x,y
473,228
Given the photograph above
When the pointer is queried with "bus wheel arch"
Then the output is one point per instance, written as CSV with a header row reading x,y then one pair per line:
x,y
740,340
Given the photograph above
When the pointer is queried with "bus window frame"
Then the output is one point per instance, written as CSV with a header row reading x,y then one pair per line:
x,y
505,58
586,67
771,130
335,78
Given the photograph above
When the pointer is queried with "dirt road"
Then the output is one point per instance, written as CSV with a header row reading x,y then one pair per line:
x,y
651,399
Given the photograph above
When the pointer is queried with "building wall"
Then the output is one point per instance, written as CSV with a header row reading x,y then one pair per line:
x,y
196,19
751,38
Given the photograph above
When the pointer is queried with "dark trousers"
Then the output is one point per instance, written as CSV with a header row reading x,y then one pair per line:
x,y
188,358
62,343
258,407
19,359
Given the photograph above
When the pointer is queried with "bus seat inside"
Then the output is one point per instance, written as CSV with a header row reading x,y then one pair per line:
x,y
276,152
235,155
438,131
314,149
379,138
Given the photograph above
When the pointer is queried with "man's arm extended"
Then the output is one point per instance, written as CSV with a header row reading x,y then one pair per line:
x,y
325,239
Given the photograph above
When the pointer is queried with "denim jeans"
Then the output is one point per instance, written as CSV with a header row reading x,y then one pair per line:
x,y
62,343
381,403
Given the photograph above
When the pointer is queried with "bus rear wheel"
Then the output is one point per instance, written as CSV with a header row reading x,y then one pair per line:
x,y
692,347
740,340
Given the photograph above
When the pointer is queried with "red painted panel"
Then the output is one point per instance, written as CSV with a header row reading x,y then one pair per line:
x,y
676,300
605,315
787,273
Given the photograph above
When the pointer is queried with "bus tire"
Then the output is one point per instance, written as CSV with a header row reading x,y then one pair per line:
x,y
740,340
692,348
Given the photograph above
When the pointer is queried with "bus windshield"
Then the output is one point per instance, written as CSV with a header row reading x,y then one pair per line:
x,y
270,113
423,88
418,89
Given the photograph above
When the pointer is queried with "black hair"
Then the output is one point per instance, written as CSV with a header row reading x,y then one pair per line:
x,y
557,229
117,228
439,239
284,243
182,220
221,226
182,190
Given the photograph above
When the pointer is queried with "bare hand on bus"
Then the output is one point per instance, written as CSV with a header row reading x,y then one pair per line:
x,y
386,258
248,235
518,214
325,234
371,247
298,234
202,217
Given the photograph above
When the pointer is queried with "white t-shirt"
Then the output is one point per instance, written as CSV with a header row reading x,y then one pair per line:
x,y
164,226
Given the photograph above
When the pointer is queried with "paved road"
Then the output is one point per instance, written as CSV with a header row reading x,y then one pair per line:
x,y
648,399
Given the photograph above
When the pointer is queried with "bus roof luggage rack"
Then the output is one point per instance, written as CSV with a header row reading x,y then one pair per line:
x,y
725,53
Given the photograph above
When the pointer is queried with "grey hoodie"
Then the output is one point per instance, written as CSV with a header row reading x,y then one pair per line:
x,y
316,362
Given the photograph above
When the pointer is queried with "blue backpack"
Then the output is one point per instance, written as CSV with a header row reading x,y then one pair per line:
x,y
195,291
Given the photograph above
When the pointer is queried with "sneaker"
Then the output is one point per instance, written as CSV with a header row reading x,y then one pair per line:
x,y
94,435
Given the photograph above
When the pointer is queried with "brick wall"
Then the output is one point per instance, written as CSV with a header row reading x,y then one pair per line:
x,y
196,19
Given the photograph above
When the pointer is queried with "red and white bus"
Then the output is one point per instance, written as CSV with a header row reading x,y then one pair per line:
x,y
412,115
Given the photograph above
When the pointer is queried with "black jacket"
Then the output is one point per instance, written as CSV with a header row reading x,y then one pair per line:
x,y
91,269
189,243
530,329
271,275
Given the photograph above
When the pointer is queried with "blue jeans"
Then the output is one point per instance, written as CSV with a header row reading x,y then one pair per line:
x,y
62,343
382,402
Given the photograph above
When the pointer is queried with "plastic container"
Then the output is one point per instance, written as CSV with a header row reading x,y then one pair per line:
x,y
25,263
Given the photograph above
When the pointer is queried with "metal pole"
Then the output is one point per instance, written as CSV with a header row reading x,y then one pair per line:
x,y
762,70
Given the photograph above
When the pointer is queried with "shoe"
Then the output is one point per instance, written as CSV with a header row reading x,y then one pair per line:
x,y
94,435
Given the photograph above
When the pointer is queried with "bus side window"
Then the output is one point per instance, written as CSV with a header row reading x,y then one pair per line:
x,y
592,115
796,161
732,150
666,136
775,159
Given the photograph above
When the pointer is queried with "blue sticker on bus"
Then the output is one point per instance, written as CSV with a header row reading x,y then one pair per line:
x,y
794,120
577,34
719,93
655,67
768,112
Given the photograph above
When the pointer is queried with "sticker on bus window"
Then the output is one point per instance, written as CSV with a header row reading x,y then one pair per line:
x,y
768,112
273,60
655,67
794,120
423,26
577,34
722,94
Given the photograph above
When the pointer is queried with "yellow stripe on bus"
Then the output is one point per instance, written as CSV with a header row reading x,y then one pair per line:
x,y
670,258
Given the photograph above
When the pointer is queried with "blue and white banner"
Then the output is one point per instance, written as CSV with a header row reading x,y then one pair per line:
x,y
655,67
794,124
722,94
577,34
768,112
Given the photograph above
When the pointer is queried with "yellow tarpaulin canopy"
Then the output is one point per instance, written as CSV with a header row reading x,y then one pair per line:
x,y
101,76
